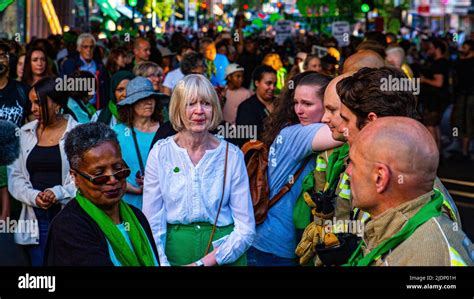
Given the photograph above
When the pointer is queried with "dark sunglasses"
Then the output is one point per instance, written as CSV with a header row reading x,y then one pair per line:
x,y
103,179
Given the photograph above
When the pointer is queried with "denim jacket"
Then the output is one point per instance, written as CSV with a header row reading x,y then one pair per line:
x,y
20,187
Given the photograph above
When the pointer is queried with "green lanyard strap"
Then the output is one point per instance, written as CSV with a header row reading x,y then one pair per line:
x,y
429,210
335,166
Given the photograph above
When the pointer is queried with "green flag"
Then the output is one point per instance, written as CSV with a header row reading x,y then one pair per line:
x,y
4,4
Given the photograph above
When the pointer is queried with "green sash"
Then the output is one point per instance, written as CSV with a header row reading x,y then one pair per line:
x,y
431,209
91,110
141,254
113,109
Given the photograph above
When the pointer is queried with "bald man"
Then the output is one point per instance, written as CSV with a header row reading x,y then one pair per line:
x,y
363,58
396,58
364,101
393,168
141,50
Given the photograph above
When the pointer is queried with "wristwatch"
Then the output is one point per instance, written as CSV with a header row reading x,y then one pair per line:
x,y
199,263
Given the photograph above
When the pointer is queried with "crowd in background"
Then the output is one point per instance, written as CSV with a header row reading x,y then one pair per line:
x,y
161,101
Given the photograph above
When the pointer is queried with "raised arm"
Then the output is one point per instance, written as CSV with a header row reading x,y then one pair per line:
x,y
323,140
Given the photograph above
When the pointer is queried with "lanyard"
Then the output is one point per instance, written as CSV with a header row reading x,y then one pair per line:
x,y
431,209
335,166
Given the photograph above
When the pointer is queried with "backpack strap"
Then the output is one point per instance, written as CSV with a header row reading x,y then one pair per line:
x,y
137,149
254,145
287,186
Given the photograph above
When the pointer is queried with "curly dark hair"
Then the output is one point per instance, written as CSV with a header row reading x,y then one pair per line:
x,y
189,62
284,114
84,137
362,93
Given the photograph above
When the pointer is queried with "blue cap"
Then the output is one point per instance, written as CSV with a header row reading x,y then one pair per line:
x,y
138,89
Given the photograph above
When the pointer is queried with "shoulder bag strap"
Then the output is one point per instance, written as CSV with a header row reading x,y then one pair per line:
x,y
288,185
220,204
140,161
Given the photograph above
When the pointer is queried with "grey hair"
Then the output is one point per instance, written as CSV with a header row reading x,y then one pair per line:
x,y
85,137
83,37
396,49
146,68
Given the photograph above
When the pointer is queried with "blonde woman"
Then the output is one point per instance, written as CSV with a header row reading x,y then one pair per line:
x,y
184,185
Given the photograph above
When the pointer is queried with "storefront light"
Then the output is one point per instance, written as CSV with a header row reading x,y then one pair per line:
x,y
111,25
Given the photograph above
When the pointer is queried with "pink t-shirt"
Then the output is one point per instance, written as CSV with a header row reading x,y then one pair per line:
x,y
233,100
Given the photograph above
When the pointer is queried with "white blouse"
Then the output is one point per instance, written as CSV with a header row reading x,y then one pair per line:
x,y
177,192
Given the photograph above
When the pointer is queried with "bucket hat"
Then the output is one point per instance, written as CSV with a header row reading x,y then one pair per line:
x,y
137,89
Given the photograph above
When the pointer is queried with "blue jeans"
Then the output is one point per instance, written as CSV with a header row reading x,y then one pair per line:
x,y
44,217
257,258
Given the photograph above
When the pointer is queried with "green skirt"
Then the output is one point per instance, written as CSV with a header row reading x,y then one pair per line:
x,y
187,243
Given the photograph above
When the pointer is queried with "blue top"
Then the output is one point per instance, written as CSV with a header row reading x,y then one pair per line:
x,y
277,234
221,62
123,230
129,154
81,115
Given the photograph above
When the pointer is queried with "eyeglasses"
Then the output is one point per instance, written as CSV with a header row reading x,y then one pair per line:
x,y
88,46
155,75
103,179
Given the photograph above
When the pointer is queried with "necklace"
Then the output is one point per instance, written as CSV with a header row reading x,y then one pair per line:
x,y
54,132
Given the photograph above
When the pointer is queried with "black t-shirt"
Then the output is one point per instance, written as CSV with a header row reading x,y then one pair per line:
x,y
464,73
251,112
45,167
14,103
441,66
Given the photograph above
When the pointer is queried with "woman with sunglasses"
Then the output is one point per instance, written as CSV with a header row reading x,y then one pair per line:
x,y
140,117
39,178
97,228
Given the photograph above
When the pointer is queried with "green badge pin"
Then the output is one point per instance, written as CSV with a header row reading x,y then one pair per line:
x,y
176,169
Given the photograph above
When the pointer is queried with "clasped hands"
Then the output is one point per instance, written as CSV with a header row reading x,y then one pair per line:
x,y
45,199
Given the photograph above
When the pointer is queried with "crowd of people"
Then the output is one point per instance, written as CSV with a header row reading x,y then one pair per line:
x,y
134,169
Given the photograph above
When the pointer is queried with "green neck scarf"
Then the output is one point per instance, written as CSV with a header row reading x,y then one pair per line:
x,y
113,109
431,209
211,68
87,108
142,254
91,109
336,166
